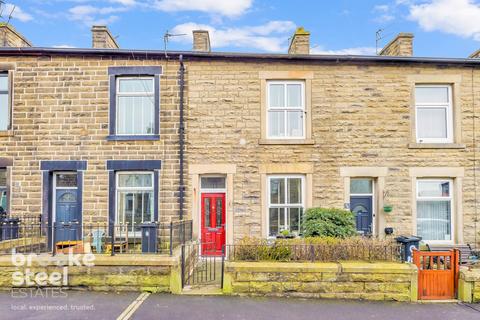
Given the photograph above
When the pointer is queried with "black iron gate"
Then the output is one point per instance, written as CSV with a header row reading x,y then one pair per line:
x,y
199,268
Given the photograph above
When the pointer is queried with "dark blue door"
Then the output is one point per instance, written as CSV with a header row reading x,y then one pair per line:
x,y
67,215
361,206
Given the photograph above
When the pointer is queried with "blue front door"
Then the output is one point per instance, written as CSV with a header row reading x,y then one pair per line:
x,y
361,206
67,213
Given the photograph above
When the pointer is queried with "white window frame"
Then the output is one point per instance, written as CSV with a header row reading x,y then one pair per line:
x,y
449,112
286,205
285,109
119,189
430,198
4,188
9,104
119,94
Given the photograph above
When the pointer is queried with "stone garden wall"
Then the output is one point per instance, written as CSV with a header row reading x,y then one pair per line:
x,y
469,284
343,280
153,273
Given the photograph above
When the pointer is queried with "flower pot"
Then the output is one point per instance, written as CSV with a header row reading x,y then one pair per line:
x,y
387,208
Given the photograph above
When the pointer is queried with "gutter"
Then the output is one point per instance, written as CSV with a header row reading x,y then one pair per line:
x,y
160,54
181,141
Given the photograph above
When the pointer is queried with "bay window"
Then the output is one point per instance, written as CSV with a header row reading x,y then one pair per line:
x,y
286,109
434,115
434,210
285,204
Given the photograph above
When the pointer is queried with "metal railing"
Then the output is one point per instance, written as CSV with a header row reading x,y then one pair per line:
x,y
155,238
313,252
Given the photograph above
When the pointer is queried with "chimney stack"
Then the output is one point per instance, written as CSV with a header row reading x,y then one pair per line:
x,y
103,39
475,55
401,46
201,41
9,37
300,43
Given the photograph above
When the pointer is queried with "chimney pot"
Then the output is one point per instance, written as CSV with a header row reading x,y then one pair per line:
x,y
201,41
103,39
300,43
401,46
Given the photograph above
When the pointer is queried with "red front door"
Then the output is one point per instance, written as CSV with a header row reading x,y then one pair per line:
x,y
213,223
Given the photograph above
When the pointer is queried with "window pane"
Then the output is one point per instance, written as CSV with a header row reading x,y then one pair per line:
x,y
273,212
4,112
295,123
295,219
434,220
135,180
294,190
433,188
294,95
3,82
432,122
125,208
276,123
277,191
147,207
138,208
213,183
135,115
135,85
66,180
219,208
431,94
3,178
206,207
361,186
277,96
3,190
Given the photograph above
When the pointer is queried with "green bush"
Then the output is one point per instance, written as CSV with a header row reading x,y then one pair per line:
x,y
331,222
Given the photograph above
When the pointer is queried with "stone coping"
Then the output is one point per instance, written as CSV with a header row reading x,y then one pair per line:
x,y
317,267
470,274
103,260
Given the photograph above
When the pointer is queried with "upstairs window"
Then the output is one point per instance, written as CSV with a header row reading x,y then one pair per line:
x,y
433,110
286,109
135,106
4,102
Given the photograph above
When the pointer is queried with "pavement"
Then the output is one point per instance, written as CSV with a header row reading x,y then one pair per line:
x,y
66,305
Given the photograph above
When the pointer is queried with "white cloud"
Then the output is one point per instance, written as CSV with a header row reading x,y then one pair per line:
x,y
270,37
362,51
125,2
91,15
18,13
385,13
458,17
229,8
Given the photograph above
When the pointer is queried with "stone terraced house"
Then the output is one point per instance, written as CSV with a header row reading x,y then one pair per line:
x,y
96,135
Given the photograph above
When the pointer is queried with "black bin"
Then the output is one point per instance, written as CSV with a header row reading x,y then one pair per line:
x,y
9,228
149,237
408,244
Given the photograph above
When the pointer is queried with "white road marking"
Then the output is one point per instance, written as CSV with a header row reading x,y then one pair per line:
x,y
128,312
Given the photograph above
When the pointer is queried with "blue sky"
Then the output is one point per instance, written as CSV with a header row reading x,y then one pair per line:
x,y
442,28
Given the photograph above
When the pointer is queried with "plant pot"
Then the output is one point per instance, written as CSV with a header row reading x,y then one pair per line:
x,y
387,208
281,236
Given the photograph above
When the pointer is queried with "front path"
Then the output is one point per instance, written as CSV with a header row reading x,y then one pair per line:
x,y
93,305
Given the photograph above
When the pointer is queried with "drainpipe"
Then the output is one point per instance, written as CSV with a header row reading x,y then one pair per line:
x,y
181,137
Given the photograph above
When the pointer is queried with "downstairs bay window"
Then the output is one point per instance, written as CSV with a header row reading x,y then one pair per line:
x,y
286,204
434,210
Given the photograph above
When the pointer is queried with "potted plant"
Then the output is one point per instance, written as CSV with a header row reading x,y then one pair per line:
x,y
387,208
285,234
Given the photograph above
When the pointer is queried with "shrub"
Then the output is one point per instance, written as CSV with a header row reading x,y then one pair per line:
x,y
321,249
322,222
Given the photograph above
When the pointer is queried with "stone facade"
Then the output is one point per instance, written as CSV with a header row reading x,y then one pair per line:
x,y
343,280
61,112
361,117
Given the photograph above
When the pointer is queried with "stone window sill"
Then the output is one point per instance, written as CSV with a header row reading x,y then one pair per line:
x,y
436,146
286,142
134,138
6,133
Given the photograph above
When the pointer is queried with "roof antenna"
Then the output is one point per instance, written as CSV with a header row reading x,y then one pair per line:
x,y
7,22
378,37
166,38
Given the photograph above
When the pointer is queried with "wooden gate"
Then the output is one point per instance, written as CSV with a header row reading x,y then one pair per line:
x,y
437,274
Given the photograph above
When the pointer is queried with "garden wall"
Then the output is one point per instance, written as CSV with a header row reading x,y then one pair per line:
x,y
469,285
343,280
153,273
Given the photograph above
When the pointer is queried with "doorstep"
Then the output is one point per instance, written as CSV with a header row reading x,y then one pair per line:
x,y
208,290
439,301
